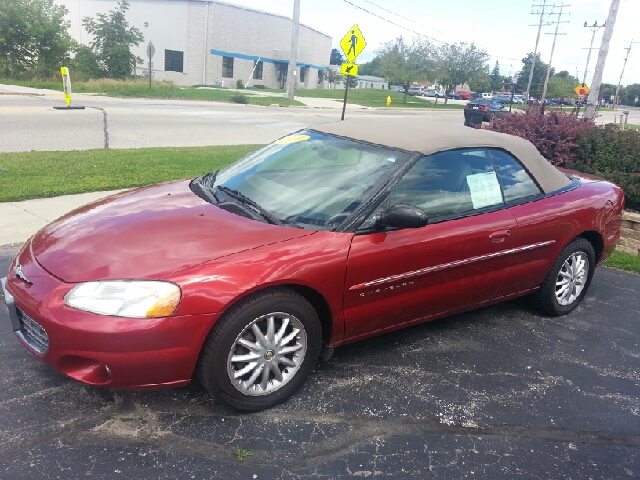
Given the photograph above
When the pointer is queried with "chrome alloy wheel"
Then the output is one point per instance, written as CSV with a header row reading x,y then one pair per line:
x,y
572,278
267,354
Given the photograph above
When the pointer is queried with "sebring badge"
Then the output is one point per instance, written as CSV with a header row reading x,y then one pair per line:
x,y
17,271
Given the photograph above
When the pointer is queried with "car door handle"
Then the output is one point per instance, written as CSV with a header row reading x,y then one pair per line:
x,y
499,236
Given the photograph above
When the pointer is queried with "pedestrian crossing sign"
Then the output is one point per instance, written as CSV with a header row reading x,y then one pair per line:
x,y
353,43
349,69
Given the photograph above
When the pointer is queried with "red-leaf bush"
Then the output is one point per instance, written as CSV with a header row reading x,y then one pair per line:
x,y
567,141
554,134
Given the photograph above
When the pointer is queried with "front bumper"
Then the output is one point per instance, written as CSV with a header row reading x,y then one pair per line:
x,y
95,349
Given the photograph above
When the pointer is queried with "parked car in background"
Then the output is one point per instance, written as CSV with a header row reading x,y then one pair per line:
x,y
487,95
464,95
337,233
414,91
432,92
503,99
519,99
490,108
454,95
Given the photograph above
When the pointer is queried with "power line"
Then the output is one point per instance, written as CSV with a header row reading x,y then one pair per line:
x,y
594,28
409,29
628,49
540,24
553,47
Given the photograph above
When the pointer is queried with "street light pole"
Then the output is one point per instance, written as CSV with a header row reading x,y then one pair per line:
x,y
291,81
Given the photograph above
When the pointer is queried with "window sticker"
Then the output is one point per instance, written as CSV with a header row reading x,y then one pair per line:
x,y
485,189
292,139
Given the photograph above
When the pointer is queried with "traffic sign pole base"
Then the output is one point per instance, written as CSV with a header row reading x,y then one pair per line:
x,y
68,108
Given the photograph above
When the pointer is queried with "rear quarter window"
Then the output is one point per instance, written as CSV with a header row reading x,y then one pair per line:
x,y
515,180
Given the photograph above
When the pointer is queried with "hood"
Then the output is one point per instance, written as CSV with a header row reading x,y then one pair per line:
x,y
147,233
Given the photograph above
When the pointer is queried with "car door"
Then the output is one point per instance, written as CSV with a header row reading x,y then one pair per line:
x,y
452,264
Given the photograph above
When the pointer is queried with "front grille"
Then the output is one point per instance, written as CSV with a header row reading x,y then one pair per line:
x,y
32,333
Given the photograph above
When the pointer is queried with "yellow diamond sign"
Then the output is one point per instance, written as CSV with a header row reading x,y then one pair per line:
x,y
349,69
353,43
582,89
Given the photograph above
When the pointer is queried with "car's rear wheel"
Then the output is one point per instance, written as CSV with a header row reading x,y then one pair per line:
x,y
569,279
261,350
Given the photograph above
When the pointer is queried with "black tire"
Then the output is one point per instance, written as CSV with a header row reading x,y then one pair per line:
x,y
546,298
288,310
467,123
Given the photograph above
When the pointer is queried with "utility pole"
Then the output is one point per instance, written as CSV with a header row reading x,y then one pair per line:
x,y
590,112
594,28
535,50
615,99
553,47
291,83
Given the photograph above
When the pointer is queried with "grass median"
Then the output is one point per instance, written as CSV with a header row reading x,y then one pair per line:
x,y
27,175
167,90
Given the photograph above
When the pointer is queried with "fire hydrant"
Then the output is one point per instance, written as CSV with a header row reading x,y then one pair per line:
x,y
388,100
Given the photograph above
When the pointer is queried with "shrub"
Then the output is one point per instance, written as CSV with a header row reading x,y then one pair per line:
x,y
239,84
613,154
239,99
555,134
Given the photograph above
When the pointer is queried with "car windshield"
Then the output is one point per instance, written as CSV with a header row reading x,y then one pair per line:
x,y
309,180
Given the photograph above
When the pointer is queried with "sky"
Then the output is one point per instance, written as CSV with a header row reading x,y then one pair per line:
x,y
501,27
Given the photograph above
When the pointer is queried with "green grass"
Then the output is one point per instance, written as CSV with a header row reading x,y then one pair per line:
x,y
28,175
624,261
167,90
631,126
376,98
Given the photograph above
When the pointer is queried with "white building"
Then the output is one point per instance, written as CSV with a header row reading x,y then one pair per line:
x,y
200,42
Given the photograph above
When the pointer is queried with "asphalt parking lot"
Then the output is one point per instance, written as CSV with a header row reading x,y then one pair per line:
x,y
498,393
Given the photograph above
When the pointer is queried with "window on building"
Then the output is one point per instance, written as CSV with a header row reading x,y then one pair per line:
x,y
173,61
320,76
257,70
227,67
303,74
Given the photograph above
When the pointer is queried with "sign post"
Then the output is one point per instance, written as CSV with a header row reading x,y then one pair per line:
x,y
352,44
150,51
66,87
582,90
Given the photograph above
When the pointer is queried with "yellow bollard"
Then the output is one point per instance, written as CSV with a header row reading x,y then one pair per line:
x,y
388,100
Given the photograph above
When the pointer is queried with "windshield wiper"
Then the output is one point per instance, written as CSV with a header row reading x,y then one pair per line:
x,y
235,194
209,179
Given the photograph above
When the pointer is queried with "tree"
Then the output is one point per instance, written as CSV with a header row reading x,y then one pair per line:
x,y
333,76
497,80
113,39
538,75
370,68
481,81
351,80
34,40
336,57
458,64
561,87
402,64
631,93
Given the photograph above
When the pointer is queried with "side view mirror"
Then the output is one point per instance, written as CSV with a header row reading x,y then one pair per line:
x,y
403,216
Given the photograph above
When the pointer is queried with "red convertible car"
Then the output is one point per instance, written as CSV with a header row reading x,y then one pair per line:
x,y
336,233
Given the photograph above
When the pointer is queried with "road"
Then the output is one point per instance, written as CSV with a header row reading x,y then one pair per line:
x,y
499,393
29,122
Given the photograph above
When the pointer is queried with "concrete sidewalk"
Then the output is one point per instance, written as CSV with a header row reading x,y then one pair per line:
x,y
20,220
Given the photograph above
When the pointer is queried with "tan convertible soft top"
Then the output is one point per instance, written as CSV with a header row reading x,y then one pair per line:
x,y
429,136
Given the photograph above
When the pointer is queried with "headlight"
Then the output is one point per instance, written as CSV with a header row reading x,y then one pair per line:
x,y
125,298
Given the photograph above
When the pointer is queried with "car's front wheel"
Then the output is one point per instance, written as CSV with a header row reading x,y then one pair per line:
x,y
569,279
261,350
